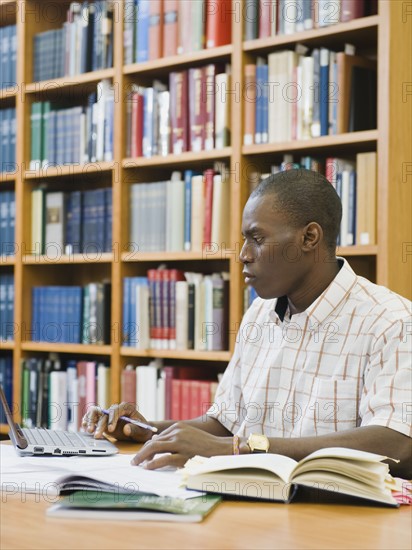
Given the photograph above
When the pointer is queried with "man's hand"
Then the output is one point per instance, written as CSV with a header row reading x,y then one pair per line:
x,y
97,423
182,441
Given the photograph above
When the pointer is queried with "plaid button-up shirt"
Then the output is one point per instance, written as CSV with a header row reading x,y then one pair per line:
x,y
343,362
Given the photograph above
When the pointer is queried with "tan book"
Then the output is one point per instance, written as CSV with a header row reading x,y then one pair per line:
x,y
276,477
250,104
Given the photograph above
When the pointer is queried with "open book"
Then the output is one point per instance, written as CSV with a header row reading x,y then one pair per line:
x,y
276,477
138,506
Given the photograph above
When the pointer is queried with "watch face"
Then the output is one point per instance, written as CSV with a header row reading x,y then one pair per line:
x,y
258,443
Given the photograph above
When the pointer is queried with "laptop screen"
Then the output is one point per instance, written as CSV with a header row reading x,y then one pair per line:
x,y
16,435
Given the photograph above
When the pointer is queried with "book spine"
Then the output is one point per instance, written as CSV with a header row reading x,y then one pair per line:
x,y
170,27
155,29
218,23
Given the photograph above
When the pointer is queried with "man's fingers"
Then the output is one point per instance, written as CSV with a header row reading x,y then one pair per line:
x,y
165,460
150,449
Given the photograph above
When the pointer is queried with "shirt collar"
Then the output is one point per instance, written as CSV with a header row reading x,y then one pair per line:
x,y
330,299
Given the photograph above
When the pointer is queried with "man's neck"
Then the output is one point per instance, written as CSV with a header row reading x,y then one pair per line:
x,y
317,281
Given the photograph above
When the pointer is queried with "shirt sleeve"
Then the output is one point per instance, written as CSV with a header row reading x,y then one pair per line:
x,y
229,403
386,398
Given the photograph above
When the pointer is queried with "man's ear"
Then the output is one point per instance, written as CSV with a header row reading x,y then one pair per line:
x,y
312,236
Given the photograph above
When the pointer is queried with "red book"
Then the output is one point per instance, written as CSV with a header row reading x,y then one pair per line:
x,y
218,23
170,27
156,29
81,376
185,389
197,110
265,18
204,396
351,9
208,100
184,41
194,399
128,384
170,375
208,189
137,125
178,111
155,308
176,399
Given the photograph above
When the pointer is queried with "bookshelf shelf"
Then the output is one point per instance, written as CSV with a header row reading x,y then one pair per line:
x,y
6,177
357,141
179,61
177,354
86,349
172,160
360,31
7,260
8,93
95,258
69,170
174,256
79,80
358,250
7,345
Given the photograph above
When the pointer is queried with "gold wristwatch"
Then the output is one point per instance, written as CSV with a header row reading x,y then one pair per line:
x,y
258,443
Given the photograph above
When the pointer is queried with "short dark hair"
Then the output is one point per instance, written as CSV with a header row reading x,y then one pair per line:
x,y
305,196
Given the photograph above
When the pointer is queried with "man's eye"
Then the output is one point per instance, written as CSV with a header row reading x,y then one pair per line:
x,y
258,240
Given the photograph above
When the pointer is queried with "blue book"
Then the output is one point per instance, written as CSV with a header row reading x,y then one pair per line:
x,y
6,381
188,209
262,104
9,308
142,44
73,239
324,92
108,195
3,306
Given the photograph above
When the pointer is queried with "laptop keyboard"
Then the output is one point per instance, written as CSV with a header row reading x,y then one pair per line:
x,y
42,436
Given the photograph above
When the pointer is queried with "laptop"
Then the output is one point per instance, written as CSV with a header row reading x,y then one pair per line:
x,y
41,441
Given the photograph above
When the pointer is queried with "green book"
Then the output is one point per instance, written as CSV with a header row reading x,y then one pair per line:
x,y
35,136
134,506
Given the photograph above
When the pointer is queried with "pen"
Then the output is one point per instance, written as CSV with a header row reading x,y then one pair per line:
x,y
132,421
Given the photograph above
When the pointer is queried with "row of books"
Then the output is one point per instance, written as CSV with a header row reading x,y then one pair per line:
x,y
193,114
160,28
264,18
6,307
71,314
297,96
8,56
168,392
171,309
7,222
355,181
8,140
6,382
56,393
71,222
73,135
83,44
184,213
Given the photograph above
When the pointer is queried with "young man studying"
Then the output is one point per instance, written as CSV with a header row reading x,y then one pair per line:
x,y
323,356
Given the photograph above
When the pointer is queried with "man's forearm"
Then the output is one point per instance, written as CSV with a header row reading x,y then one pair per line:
x,y
374,439
205,423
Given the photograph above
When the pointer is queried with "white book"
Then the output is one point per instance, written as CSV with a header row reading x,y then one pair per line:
x,y
55,214
208,327
175,206
222,110
220,210
345,207
103,386
328,12
181,314
58,400
197,212
72,400
161,397
307,96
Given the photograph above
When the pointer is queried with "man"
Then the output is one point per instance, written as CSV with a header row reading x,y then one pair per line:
x,y
322,359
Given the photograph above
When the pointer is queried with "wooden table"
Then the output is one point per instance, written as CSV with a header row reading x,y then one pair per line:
x,y
301,525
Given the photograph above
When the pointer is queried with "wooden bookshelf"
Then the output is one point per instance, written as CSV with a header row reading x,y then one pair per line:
x,y
387,36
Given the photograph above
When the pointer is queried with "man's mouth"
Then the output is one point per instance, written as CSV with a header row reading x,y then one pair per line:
x,y
248,277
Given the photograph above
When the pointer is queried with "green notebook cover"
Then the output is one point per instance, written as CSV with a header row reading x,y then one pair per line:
x,y
134,506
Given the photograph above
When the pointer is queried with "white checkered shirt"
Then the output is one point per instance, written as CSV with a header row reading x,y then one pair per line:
x,y
342,363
